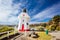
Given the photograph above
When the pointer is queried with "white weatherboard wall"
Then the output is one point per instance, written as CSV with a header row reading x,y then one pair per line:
x,y
23,16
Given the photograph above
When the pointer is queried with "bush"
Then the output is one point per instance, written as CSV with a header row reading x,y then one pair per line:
x,y
6,28
41,29
58,28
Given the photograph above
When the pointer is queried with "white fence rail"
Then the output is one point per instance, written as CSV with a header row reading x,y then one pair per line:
x,y
7,34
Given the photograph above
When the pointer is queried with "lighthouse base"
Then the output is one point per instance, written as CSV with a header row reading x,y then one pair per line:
x,y
23,30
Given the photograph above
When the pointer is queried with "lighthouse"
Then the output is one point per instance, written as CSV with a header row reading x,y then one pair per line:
x,y
23,21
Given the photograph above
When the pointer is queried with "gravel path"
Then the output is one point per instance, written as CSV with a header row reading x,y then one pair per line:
x,y
56,35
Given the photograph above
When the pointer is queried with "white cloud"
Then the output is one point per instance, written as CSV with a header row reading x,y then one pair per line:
x,y
16,7
48,12
6,9
35,22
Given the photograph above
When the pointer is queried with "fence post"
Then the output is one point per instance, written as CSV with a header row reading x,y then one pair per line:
x,y
8,34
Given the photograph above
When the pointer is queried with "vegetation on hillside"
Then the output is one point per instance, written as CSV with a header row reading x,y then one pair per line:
x,y
6,28
51,25
54,24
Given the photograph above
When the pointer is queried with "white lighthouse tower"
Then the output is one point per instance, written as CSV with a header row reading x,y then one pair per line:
x,y
23,21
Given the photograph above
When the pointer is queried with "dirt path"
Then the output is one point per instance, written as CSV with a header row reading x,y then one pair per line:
x,y
56,35
25,38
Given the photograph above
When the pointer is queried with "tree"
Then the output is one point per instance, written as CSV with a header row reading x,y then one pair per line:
x,y
44,24
56,19
50,22
53,27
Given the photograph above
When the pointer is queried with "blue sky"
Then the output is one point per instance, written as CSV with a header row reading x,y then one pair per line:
x,y
38,10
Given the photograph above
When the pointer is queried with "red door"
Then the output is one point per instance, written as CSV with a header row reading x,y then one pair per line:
x,y
22,27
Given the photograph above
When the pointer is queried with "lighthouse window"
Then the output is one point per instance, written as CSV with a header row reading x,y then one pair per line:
x,y
23,20
27,23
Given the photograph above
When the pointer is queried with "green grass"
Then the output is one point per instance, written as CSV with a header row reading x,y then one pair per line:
x,y
43,36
